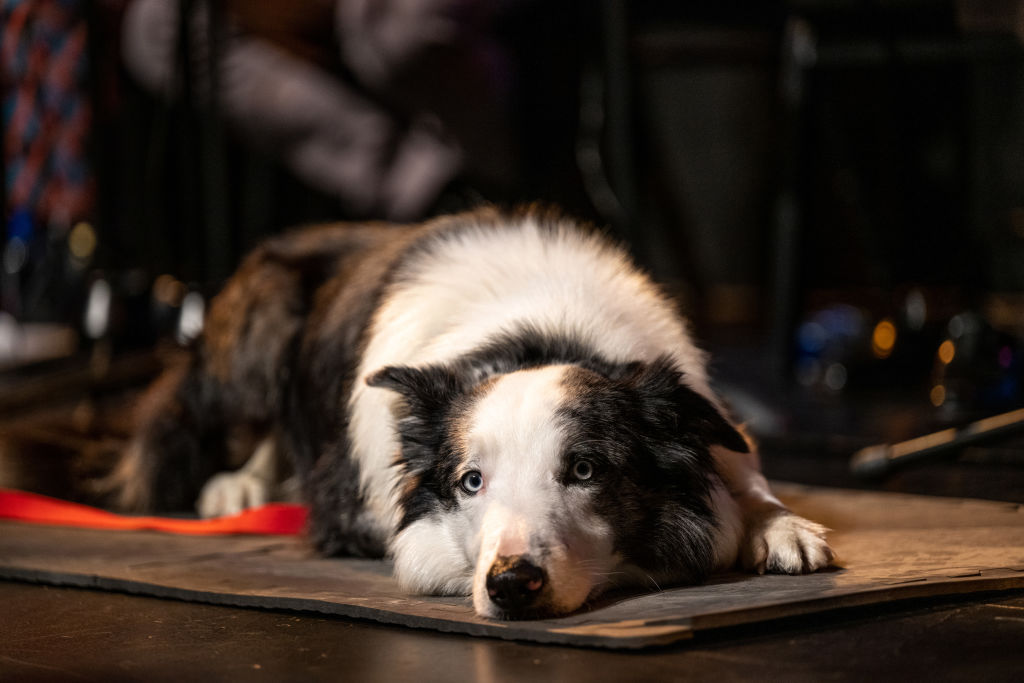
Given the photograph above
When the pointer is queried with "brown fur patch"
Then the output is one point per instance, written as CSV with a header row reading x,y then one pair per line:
x,y
127,485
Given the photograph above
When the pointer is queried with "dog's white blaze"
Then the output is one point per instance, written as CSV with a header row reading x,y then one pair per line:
x,y
472,286
516,441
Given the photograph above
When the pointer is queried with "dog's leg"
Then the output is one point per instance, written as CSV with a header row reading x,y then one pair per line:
x,y
776,540
252,485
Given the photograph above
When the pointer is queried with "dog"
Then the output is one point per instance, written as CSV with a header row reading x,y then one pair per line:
x,y
500,401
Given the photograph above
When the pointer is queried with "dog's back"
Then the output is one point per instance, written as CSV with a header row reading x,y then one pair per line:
x,y
232,390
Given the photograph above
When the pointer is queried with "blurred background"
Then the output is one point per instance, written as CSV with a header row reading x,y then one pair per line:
x,y
832,189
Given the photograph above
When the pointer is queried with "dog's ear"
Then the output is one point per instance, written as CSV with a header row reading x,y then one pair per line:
x,y
428,393
667,401
425,387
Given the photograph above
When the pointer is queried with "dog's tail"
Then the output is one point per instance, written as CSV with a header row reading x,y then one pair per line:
x,y
165,464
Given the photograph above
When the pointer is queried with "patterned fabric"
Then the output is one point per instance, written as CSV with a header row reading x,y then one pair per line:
x,y
45,110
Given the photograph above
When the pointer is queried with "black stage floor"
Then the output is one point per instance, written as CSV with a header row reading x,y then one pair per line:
x,y
73,634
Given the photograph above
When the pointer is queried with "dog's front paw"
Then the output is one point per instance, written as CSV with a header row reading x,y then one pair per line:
x,y
228,493
784,543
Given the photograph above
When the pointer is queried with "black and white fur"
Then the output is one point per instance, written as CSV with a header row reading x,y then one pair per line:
x,y
501,402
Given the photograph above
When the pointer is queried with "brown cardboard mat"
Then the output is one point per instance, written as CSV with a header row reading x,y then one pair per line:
x,y
890,547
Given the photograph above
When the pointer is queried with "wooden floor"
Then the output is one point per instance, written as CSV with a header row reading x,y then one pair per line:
x,y
81,635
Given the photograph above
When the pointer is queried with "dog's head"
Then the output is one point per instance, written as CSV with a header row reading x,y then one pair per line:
x,y
538,488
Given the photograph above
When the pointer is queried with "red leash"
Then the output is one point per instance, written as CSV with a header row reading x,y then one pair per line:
x,y
272,518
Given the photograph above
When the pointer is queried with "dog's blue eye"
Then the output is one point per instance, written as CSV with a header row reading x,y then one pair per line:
x,y
583,470
472,481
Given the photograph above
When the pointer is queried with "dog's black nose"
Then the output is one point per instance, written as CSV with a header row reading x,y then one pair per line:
x,y
513,583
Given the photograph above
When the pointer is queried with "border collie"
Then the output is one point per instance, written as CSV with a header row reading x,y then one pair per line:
x,y
499,401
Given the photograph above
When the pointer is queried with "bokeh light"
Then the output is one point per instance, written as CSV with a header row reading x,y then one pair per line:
x,y
883,339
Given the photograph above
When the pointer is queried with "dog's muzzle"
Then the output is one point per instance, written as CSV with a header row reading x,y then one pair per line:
x,y
514,583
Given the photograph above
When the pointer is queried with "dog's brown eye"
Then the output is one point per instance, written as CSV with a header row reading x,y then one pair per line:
x,y
472,482
583,470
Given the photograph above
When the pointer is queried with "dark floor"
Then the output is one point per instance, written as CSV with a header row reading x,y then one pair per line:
x,y
73,634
